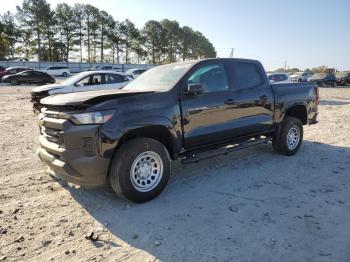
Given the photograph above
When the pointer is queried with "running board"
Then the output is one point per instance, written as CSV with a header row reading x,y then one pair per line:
x,y
195,157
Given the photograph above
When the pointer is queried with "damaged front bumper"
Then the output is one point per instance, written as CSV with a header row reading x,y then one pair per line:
x,y
71,152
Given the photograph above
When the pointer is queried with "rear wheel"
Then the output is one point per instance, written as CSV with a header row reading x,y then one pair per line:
x,y
290,137
64,74
140,169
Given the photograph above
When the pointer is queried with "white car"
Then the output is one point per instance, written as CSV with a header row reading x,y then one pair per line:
x,y
135,72
106,67
85,81
279,78
57,71
300,76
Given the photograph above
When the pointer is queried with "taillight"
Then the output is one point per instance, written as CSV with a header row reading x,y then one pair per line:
x,y
317,96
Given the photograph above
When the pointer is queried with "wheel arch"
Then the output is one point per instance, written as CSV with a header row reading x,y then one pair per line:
x,y
298,111
157,132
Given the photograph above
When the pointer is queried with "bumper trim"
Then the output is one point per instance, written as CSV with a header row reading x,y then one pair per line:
x,y
314,120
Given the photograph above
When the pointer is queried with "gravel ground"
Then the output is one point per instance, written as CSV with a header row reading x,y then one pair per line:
x,y
252,205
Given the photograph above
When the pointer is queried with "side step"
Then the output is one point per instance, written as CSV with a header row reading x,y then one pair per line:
x,y
198,156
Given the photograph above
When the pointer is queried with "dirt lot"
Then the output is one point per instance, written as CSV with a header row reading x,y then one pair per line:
x,y
252,205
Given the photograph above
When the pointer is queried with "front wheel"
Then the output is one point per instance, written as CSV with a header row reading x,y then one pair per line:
x,y
64,74
140,169
14,82
290,137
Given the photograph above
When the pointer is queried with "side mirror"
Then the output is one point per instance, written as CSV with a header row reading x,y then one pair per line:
x,y
194,89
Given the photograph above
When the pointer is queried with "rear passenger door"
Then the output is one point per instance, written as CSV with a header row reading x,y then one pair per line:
x,y
252,97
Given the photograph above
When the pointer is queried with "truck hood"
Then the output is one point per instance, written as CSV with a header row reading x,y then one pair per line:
x,y
85,99
317,77
46,88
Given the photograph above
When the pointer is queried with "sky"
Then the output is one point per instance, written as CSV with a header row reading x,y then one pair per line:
x,y
299,33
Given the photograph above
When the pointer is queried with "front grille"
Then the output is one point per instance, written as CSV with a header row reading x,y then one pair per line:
x,y
52,135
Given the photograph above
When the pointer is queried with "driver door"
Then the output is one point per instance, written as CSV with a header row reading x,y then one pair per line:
x,y
207,117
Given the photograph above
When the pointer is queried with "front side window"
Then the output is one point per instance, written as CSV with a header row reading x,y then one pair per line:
x,y
211,77
86,81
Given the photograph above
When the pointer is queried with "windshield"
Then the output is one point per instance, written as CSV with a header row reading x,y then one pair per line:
x,y
319,75
130,71
73,79
341,74
160,78
298,73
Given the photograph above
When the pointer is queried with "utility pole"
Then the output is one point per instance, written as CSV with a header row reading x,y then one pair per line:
x,y
231,54
285,64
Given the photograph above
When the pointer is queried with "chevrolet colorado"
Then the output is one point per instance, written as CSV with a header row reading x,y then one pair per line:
x,y
189,110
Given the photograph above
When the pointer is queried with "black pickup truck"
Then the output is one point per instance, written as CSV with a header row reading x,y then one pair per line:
x,y
189,110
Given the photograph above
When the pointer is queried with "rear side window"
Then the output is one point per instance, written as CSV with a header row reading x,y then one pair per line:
x,y
247,75
27,73
283,77
114,78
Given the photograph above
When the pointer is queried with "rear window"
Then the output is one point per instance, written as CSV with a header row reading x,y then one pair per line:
x,y
247,75
278,77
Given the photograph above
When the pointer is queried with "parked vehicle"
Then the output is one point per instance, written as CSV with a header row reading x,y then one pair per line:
x,y
85,81
323,79
134,73
2,69
280,78
342,78
106,67
57,71
300,76
28,77
190,110
14,70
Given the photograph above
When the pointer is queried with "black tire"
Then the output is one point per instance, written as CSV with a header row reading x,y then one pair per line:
x,y
14,82
120,176
64,74
280,142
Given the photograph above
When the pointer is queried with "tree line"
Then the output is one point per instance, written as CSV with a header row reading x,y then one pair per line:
x,y
84,33
314,70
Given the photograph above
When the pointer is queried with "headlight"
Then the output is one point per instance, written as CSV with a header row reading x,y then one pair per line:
x,y
92,118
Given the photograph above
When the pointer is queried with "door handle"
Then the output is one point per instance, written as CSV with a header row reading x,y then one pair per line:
x,y
230,102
